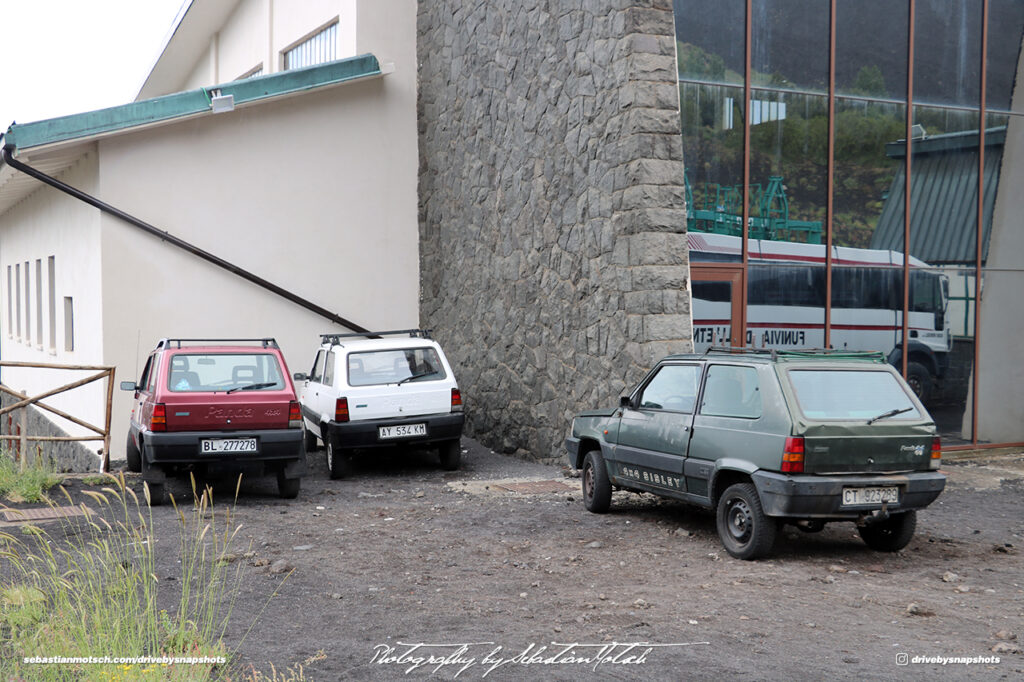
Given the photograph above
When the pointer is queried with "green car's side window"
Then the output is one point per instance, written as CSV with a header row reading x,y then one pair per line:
x,y
731,391
674,388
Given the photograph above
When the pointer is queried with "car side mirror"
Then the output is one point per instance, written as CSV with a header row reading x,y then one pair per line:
x,y
300,376
128,386
624,401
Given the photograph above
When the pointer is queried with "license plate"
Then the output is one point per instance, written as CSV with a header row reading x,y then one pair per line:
x,y
217,445
403,431
853,496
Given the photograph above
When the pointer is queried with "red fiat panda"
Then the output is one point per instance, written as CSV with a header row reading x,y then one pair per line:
x,y
212,406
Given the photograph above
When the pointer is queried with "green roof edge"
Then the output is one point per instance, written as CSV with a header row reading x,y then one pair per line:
x,y
189,103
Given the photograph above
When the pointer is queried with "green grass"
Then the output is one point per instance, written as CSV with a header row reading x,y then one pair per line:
x,y
93,591
28,485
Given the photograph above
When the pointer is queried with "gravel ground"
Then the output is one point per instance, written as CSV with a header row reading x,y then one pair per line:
x,y
405,554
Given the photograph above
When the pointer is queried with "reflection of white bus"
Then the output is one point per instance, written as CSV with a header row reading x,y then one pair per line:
x,y
786,302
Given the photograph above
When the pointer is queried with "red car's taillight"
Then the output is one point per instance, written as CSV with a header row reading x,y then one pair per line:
x,y
341,410
294,415
456,400
793,456
158,421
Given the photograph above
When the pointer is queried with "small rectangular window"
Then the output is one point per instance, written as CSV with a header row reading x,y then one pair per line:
x,y
319,48
51,267
28,305
17,298
69,324
10,305
39,302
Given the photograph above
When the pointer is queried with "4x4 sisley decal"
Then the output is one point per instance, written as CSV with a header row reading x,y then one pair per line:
x,y
650,477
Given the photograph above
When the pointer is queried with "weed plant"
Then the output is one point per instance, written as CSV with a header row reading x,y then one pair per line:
x,y
28,485
92,590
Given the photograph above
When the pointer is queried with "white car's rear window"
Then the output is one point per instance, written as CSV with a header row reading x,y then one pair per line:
x,y
850,394
394,366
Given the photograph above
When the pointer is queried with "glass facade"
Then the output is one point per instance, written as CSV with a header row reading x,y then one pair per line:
x,y
798,141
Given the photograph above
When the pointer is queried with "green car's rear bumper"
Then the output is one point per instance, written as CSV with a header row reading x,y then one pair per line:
x,y
809,496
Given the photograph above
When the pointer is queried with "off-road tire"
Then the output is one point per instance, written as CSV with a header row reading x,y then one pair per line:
x,y
288,488
890,535
132,456
744,529
920,381
450,453
339,462
597,489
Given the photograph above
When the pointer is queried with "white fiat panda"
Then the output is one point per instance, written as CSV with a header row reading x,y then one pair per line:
x,y
381,389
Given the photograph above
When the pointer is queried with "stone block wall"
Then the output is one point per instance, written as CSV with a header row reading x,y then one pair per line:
x,y
62,456
552,219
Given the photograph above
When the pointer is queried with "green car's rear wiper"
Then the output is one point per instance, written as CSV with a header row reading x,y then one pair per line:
x,y
890,413
252,387
416,376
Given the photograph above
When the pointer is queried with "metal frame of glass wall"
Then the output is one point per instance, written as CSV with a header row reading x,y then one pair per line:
x,y
749,88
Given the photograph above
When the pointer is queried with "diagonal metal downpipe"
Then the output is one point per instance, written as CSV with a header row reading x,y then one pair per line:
x,y
176,241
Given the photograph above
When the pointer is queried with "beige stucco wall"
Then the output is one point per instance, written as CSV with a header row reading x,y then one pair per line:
x,y
316,193
204,72
48,223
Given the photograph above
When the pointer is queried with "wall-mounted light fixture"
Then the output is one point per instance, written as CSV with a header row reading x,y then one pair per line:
x,y
220,103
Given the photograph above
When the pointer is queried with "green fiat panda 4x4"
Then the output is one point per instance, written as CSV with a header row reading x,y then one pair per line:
x,y
767,438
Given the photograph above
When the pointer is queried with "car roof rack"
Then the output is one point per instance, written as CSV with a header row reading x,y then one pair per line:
x,y
834,354
737,350
412,333
268,342
831,353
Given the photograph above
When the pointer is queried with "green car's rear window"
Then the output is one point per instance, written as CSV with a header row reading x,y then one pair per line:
x,y
850,394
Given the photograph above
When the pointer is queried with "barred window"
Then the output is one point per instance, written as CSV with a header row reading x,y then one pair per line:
x,y
317,49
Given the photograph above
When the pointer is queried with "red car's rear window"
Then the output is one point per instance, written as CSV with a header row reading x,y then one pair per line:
x,y
201,371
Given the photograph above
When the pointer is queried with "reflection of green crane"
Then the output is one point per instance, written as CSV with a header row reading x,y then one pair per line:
x,y
721,212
